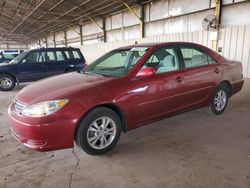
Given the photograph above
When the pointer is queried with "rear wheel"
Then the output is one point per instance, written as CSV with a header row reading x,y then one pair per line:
x,y
220,99
7,82
99,131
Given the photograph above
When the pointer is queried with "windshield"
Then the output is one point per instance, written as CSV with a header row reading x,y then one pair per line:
x,y
18,58
8,56
116,63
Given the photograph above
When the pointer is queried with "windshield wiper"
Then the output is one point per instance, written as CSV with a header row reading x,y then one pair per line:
x,y
95,73
90,73
105,75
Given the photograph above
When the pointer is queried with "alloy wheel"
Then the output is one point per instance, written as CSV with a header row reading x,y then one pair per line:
x,y
220,100
101,133
5,82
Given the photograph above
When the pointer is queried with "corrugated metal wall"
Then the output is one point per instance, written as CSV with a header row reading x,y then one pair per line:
x,y
236,45
234,41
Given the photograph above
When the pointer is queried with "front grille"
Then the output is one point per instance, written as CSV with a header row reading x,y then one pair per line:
x,y
19,106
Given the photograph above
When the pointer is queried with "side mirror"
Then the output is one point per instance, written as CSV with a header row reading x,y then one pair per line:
x,y
145,72
24,61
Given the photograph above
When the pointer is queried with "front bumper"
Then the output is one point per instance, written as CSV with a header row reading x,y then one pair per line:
x,y
42,134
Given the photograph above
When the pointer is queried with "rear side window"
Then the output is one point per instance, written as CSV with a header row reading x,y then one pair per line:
x,y
72,54
67,54
60,56
76,55
51,56
195,58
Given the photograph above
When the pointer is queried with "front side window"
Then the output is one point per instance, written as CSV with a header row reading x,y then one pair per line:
x,y
19,57
195,58
116,63
35,57
163,60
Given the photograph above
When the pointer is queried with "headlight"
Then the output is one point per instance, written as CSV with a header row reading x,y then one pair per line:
x,y
44,108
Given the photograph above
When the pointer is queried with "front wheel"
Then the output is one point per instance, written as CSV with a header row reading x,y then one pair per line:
x,y
99,131
7,82
219,100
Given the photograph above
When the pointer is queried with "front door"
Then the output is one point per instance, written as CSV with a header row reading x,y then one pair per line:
x,y
32,67
161,93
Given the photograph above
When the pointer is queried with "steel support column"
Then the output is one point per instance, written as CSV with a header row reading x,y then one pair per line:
x,y
140,18
46,42
81,41
218,5
104,30
65,38
54,40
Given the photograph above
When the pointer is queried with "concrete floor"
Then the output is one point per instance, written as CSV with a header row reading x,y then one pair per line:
x,y
194,149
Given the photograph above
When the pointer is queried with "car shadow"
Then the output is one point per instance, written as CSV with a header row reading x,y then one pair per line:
x,y
20,86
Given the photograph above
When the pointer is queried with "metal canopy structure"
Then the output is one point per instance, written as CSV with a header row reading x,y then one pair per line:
x,y
28,20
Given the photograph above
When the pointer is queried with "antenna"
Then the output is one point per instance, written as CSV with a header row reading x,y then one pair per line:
x,y
209,22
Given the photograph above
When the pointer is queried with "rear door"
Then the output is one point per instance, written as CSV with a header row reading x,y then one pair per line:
x,y
75,59
161,93
55,62
202,74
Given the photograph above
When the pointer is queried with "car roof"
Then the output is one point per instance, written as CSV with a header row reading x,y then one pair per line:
x,y
55,48
159,44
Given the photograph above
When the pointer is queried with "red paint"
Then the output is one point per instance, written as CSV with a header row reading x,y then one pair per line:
x,y
141,100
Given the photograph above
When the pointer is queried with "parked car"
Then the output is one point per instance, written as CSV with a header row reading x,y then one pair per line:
x,y
33,65
7,55
122,90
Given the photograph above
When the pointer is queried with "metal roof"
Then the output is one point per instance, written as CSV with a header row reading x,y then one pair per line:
x,y
28,20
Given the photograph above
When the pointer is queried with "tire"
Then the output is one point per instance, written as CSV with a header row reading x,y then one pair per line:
x,y
95,136
7,82
220,99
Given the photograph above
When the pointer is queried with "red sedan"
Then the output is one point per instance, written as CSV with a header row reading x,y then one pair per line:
x,y
122,90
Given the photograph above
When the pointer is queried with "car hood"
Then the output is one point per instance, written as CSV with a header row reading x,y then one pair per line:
x,y
4,64
58,87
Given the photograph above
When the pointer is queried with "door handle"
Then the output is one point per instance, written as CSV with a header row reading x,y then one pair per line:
x,y
179,79
216,70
